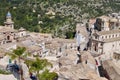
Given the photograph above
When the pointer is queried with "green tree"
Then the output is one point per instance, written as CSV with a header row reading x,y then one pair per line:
x,y
46,75
39,64
28,63
19,54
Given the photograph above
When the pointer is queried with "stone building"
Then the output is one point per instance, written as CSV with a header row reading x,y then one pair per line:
x,y
106,36
9,23
7,32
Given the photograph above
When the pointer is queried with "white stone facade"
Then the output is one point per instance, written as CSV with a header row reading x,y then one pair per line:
x,y
106,41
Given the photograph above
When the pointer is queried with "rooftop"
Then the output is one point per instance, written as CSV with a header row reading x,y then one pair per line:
x,y
108,32
113,20
7,29
21,29
34,48
2,37
60,40
112,39
78,71
105,18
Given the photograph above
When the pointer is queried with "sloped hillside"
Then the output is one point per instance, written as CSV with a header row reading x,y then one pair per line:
x,y
55,16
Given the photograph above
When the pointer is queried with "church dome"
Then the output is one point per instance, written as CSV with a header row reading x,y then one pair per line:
x,y
8,14
21,29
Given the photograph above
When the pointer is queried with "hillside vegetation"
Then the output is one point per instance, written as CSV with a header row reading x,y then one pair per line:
x,y
58,17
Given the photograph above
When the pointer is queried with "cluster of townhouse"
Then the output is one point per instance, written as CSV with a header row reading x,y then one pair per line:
x,y
105,39
8,33
105,43
35,43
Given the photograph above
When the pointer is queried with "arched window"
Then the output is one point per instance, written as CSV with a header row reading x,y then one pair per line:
x,y
96,37
113,35
105,36
116,35
101,44
109,36
8,37
113,45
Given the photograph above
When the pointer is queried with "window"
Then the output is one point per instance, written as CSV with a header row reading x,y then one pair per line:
x,y
113,45
101,44
105,36
109,36
116,35
95,37
115,56
113,35
8,37
102,37
22,34
3,42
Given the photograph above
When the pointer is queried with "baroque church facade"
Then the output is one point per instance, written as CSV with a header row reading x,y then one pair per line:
x,y
106,36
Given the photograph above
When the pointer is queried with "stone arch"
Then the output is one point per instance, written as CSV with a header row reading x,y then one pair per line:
x,y
8,37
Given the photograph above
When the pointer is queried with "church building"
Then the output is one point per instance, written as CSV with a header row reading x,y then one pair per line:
x,y
106,36
7,32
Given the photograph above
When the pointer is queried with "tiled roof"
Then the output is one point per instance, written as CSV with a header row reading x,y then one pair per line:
x,y
33,49
60,40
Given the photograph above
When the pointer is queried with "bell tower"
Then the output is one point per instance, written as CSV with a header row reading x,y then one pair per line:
x,y
9,23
